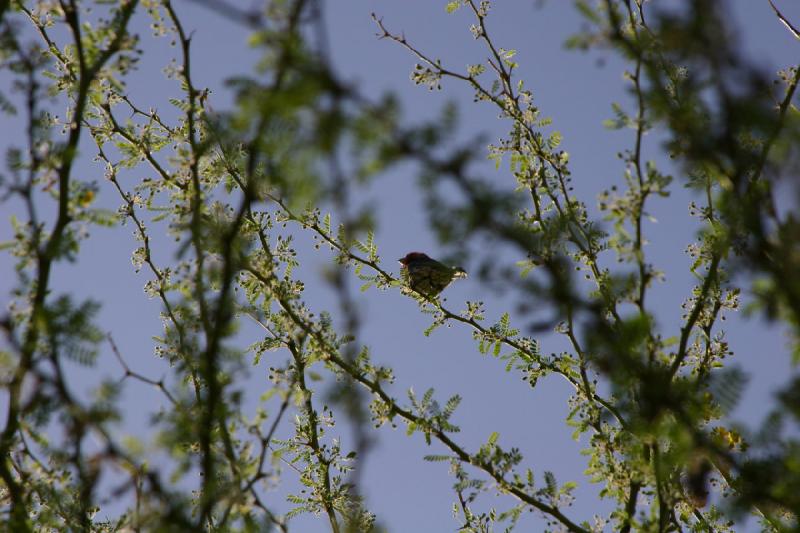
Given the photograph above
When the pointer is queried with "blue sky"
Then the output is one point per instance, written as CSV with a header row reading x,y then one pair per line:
x,y
576,90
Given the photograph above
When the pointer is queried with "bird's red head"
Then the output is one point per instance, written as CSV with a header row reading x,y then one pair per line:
x,y
412,256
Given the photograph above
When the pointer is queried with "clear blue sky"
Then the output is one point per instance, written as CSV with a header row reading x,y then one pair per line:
x,y
576,90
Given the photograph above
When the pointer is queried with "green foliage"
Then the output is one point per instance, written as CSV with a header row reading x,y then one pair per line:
x,y
238,190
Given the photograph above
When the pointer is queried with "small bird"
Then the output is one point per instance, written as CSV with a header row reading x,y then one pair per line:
x,y
428,276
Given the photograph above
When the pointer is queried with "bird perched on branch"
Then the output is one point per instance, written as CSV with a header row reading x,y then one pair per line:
x,y
428,276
